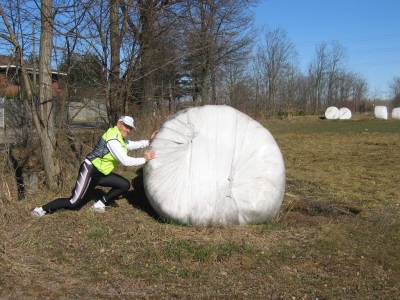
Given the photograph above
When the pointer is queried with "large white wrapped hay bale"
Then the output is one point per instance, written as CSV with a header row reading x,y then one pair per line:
x,y
344,113
332,113
396,113
381,112
215,165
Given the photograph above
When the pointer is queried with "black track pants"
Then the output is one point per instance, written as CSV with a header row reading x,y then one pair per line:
x,y
88,178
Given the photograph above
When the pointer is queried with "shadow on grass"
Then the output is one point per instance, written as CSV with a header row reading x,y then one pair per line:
x,y
138,199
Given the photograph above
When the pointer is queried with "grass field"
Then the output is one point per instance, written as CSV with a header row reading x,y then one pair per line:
x,y
337,235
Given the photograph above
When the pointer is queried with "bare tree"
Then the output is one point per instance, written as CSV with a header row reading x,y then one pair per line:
x,y
289,90
235,86
276,61
328,74
129,37
217,33
359,92
43,108
317,71
337,58
153,32
394,88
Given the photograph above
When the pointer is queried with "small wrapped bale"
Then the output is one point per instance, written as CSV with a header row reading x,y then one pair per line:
x,y
344,113
215,166
380,112
396,113
332,113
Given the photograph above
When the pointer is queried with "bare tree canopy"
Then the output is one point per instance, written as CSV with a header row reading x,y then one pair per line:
x,y
394,88
151,57
276,60
43,107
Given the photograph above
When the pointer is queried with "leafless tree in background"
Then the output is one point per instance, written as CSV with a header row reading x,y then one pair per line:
x,y
276,60
217,33
134,41
394,86
317,72
235,86
148,56
143,54
43,108
337,58
331,83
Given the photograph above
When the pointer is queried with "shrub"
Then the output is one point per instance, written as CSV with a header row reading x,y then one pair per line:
x,y
302,113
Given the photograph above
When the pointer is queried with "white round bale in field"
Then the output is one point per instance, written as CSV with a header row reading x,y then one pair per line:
x,y
344,113
396,113
381,112
215,165
332,113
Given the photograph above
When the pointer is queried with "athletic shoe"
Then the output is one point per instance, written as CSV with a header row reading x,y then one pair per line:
x,y
98,207
38,212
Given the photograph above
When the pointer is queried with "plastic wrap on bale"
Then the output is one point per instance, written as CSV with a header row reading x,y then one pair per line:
x,y
396,113
380,112
344,113
332,113
215,166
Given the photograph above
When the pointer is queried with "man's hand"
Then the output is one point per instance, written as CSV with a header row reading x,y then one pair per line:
x,y
149,155
153,135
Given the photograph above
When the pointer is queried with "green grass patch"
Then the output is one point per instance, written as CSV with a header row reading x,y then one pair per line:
x,y
314,124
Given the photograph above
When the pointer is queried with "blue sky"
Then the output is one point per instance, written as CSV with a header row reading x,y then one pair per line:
x,y
368,29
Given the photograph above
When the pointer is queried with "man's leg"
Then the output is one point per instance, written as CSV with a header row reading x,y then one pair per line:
x,y
83,184
118,184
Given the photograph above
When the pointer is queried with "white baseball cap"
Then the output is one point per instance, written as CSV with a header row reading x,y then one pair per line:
x,y
127,121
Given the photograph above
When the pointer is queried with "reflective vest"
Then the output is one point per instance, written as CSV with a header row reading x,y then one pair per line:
x,y
101,157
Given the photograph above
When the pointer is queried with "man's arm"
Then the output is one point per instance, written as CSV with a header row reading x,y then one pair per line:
x,y
119,153
131,145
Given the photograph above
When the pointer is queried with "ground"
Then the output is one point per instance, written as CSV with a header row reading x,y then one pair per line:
x,y
335,237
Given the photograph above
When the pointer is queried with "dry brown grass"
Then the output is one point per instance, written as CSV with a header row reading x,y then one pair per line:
x,y
336,236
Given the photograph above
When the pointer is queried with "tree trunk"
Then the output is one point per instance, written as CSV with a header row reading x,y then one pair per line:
x,y
204,86
46,125
115,105
147,54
